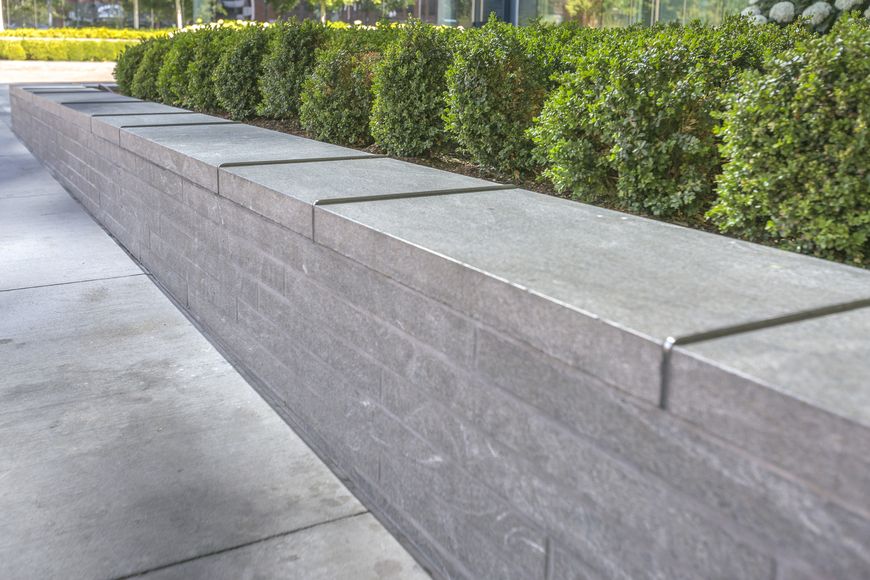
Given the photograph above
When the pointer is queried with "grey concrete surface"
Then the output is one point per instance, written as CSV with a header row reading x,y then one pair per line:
x,y
92,96
127,443
53,72
286,193
196,152
42,236
346,549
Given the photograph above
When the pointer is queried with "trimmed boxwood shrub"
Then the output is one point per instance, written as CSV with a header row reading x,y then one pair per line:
x,y
797,143
208,46
337,96
172,80
238,71
145,80
409,88
128,64
496,85
288,61
633,126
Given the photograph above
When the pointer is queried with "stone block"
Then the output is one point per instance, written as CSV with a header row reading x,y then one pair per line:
x,y
613,514
548,270
285,193
109,126
468,520
197,152
427,320
797,395
742,488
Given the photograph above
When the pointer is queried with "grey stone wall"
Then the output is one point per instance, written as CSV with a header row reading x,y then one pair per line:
x,y
519,386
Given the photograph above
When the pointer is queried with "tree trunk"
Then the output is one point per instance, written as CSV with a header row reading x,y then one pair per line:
x,y
178,18
323,11
136,14
2,21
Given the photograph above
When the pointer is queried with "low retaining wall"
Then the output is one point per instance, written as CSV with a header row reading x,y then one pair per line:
x,y
519,386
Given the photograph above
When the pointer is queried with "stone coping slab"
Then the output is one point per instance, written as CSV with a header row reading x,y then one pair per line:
x,y
287,192
822,362
644,279
125,108
798,394
109,126
85,97
197,152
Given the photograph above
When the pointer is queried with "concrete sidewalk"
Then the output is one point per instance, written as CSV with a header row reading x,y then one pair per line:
x,y
128,445
40,71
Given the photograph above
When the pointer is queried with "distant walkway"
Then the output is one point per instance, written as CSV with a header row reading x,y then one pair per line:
x,y
40,71
128,445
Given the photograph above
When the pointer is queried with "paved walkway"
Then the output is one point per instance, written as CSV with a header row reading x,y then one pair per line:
x,y
35,71
128,445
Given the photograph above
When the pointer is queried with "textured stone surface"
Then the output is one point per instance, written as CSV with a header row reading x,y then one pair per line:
x,y
78,96
109,127
799,394
285,193
196,152
648,279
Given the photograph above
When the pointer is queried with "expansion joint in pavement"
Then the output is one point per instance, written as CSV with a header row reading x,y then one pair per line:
x,y
239,546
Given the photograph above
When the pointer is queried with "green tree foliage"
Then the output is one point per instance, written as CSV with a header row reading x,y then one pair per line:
x,y
208,46
172,80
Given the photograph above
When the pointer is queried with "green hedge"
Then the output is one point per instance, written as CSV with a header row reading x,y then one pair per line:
x,y
409,91
86,32
633,126
797,142
288,62
336,99
144,85
760,130
238,71
127,65
54,49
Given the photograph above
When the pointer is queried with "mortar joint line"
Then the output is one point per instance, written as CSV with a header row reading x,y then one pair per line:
x,y
190,124
138,114
231,164
412,194
395,196
105,102
742,328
